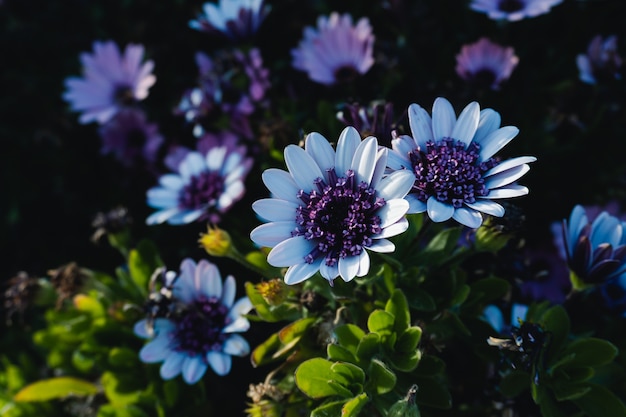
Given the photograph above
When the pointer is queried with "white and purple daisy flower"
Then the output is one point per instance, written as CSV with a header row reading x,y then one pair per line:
x,y
111,81
205,186
513,10
456,174
337,51
485,63
237,19
331,207
601,60
202,330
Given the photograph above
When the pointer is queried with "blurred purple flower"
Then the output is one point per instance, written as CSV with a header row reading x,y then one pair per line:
x,y
486,63
130,138
336,51
110,82
236,19
601,61
375,119
513,10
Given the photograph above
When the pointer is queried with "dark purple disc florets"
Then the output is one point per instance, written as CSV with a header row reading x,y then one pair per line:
x,y
201,190
199,326
340,217
450,172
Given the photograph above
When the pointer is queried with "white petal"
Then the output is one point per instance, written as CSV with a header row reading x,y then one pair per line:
x,y
468,217
404,145
465,126
302,167
381,165
208,279
236,315
193,369
438,211
364,160
290,251
172,365
513,190
349,140
415,205
188,217
275,210
496,140
228,291
185,286
364,264
281,184
193,164
220,362
301,271
392,230
161,216
382,246
329,272
215,158
271,234
510,163
444,118
392,211
236,345
489,121
320,150
487,206
162,197
506,177
421,125
396,185
172,181
348,267
395,161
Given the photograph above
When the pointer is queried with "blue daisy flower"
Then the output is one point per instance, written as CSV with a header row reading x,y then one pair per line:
x,y
330,206
456,174
513,10
201,331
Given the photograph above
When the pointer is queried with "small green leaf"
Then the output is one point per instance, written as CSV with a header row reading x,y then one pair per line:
x,y
380,322
142,262
591,352
420,300
55,388
349,336
295,330
398,307
408,340
353,407
565,391
121,388
600,402
488,289
368,347
264,353
339,353
555,321
330,409
124,358
89,305
382,379
319,378
405,362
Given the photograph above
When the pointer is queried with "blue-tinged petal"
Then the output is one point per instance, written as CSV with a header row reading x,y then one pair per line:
x,y
468,217
229,291
236,315
233,164
364,264
193,164
172,182
329,272
438,211
506,177
605,229
404,145
392,211
510,191
518,312
236,345
161,216
215,158
142,329
348,267
349,140
208,279
281,184
193,369
444,118
382,246
392,230
395,161
290,251
364,159
271,234
467,123
301,271
510,163
489,121
302,167
496,140
275,210
162,197
494,317
185,286
421,125
219,362
415,204
488,207
233,192
187,216
172,365
396,185
577,221
156,350
381,166
320,150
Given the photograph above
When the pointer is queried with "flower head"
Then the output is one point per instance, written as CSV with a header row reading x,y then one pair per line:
x,y
330,206
513,10
204,186
202,329
374,119
237,19
130,138
486,63
336,51
456,174
216,241
601,61
110,82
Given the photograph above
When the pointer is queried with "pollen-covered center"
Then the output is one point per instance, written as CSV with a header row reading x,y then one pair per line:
x,y
510,6
340,217
450,172
199,327
203,189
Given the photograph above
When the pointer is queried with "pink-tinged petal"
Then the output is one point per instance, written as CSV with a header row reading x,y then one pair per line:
x,y
421,125
506,177
488,207
301,271
229,291
219,362
348,267
444,118
302,167
392,230
467,123
510,191
382,246
364,160
275,210
497,140
392,211
321,151
348,142
438,211
271,234
290,251
236,345
467,217
396,185
415,204
172,365
193,369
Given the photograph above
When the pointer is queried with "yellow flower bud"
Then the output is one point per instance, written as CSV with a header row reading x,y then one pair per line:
x,y
215,241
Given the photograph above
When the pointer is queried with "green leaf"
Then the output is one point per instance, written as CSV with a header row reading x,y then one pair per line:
x,y
142,262
55,388
90,305
368,347
382,379
440,247
353,407
264,353
380,322
600,402
514,383
295,330
408,340
108,410
319,378
405,361
398,307
420,300
330,409
121,388
460,295
339,353
591,352
123,358
566,391
349,336
488,289
555,321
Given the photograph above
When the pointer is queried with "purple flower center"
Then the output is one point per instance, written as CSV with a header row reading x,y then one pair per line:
x,y
510,6
340,217
202,190
123,95
199,327
450,172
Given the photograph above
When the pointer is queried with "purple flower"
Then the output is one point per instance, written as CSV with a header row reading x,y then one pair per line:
x,y
337,51
205,186
130,138
202,329
375,119
486,63
111,81
237,19
513,10
601,61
